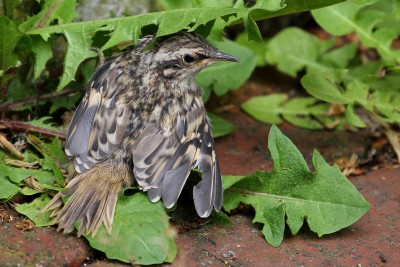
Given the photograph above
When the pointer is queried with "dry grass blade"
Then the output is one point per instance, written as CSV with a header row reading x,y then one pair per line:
x,y
5,144
22,164
394,139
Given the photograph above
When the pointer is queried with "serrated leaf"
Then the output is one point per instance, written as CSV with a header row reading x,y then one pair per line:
x,y
44,122
220,127
79,35
32,211
62,11
140,232
229,180
325,198
43,53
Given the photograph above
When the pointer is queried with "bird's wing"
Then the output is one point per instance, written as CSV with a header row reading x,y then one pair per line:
x,y
163,159
100,121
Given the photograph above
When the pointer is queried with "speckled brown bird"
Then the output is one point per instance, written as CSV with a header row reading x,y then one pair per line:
x,y
141,119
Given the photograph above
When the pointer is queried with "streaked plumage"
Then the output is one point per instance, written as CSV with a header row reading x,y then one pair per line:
x,y
142,119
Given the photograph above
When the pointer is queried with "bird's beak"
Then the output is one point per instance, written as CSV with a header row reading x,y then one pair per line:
x,y
219,56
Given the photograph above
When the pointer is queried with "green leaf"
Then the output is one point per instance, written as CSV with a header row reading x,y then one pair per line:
x,y
230,75
140,233
44,122
32,211
259,49
17,175
326,85
353,118
325,198
340,57
62,11
229,180
7,189
337,19
374,27
175,4
266,109
79,35
220,218
27,191
220,127
305,112
54,149
377,95
18,90
9,37
43,53
53,157
293,49
68,103
252,29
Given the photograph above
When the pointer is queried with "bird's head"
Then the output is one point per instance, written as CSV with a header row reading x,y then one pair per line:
x,y
184,54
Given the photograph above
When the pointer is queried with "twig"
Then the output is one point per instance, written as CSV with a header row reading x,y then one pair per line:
x,y
32,100
24,127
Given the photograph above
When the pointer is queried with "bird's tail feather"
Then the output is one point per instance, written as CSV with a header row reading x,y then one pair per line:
x,y
93,197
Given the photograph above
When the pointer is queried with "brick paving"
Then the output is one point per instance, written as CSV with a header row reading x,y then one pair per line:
x,y
374,240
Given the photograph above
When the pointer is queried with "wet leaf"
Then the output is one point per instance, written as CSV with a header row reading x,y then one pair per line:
x,y
291,193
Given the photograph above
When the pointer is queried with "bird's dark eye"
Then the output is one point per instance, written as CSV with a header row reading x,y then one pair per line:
x,y
188,58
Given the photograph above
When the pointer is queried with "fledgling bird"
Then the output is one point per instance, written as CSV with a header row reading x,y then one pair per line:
x,y
141,119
